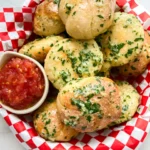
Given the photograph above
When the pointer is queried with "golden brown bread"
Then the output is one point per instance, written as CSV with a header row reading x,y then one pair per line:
x,y
123,41
130,100
86,19
48,124
39,48
47,20
70,59
139,64
89,104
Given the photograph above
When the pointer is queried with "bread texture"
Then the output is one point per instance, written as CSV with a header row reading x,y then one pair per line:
x,y
86,19
138,65
46,20
89,104
123,41
130,100
70,59
48,124
39,48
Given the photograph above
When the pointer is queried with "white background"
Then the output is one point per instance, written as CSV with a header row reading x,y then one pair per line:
x,y
7,139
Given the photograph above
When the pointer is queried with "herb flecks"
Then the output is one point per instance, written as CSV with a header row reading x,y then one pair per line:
x,y
139,39
65,75
56,1
86,107
129,52
100,16
69,7
116,48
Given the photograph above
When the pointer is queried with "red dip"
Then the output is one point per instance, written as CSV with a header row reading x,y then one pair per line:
x,y
21,83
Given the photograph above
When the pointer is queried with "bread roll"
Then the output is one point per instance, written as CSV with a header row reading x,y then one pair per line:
x,y
86,19
89,104
48,124
46,19
123,41
39,48
130,100
139,64
70,59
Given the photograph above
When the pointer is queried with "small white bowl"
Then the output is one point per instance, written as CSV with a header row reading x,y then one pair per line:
x,y
7,56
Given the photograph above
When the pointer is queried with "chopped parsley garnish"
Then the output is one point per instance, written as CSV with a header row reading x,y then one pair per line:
x,y
129,53
60,49
133,68
125,107
65,75
130,42
86,107
56,1
74,13
48,122
116,48
70,123
139,39
69,8
88,118
118,107
101,25
100,16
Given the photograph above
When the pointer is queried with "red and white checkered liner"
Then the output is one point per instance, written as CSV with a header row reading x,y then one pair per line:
x,y
15,28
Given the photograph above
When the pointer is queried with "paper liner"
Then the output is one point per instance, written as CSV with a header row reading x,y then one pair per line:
x,y
15,28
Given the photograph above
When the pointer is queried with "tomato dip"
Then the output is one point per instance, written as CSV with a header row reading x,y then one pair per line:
x,y
21,83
